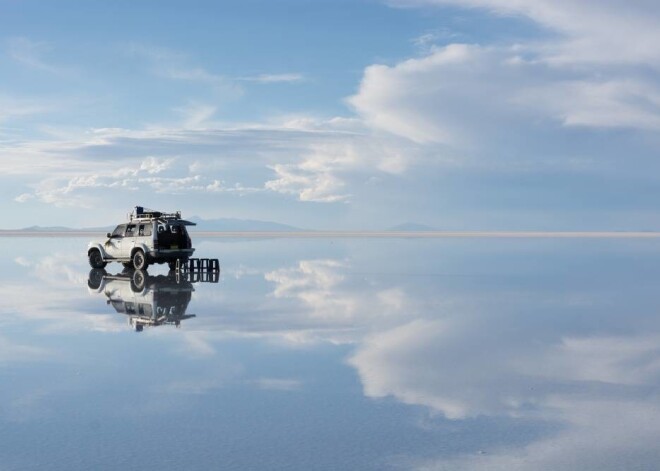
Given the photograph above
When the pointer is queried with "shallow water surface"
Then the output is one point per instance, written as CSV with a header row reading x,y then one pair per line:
x,y
334,354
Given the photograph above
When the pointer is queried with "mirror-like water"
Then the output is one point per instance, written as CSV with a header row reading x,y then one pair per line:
x,y
334,354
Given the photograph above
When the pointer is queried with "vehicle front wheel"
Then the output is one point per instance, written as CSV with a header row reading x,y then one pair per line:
x,y
139,260
96,259
138,281
95,278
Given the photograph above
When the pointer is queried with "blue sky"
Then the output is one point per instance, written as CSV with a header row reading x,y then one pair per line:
x,y
474,114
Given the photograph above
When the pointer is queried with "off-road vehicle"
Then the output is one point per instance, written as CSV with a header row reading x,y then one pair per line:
x,y
148,237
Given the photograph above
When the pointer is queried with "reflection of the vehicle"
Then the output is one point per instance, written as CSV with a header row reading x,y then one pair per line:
x,y
147,300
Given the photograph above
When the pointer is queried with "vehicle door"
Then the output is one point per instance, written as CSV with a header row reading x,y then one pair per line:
x,y
128,242
113,245
144,236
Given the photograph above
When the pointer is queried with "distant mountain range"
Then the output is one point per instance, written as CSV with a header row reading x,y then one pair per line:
x,y
222,225
240,225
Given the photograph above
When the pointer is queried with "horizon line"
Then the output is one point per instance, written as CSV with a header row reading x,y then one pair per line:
x,y
370,234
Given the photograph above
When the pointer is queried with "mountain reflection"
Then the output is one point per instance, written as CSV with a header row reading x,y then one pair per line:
x,y
147,300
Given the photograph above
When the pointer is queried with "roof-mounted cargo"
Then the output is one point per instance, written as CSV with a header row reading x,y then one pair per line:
x,y
141,213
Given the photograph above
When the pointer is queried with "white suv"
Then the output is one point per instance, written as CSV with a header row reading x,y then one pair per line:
x,y
148,237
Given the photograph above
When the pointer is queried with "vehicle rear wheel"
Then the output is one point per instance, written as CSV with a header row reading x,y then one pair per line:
x,y
96,259
139,260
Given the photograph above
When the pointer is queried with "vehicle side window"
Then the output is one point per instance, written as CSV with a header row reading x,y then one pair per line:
x,y
119,231
130,230
144,230
145,310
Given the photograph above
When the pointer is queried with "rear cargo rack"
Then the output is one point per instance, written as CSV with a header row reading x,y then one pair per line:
x,y
205,270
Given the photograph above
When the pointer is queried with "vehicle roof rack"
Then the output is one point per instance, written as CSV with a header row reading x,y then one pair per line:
x,y
141,213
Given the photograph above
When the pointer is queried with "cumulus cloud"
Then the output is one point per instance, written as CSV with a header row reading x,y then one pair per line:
x,y
311,163
589,31
469,95
597,70
308,181
67,190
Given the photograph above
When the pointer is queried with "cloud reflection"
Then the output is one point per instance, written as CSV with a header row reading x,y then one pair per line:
x,y
508,348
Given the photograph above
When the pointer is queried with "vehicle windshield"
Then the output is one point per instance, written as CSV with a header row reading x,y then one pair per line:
x,y
119,231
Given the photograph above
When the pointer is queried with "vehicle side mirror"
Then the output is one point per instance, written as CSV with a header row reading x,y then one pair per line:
x,y
109,235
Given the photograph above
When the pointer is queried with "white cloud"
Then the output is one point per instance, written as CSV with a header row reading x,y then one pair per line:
x,y
175,65
321,174
172,64
152,165
424,99
469,96
598,70
307,182
313,162
73,190
13,107
23,197
468,108
197,115
31,54
275,78
616,103
590,30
